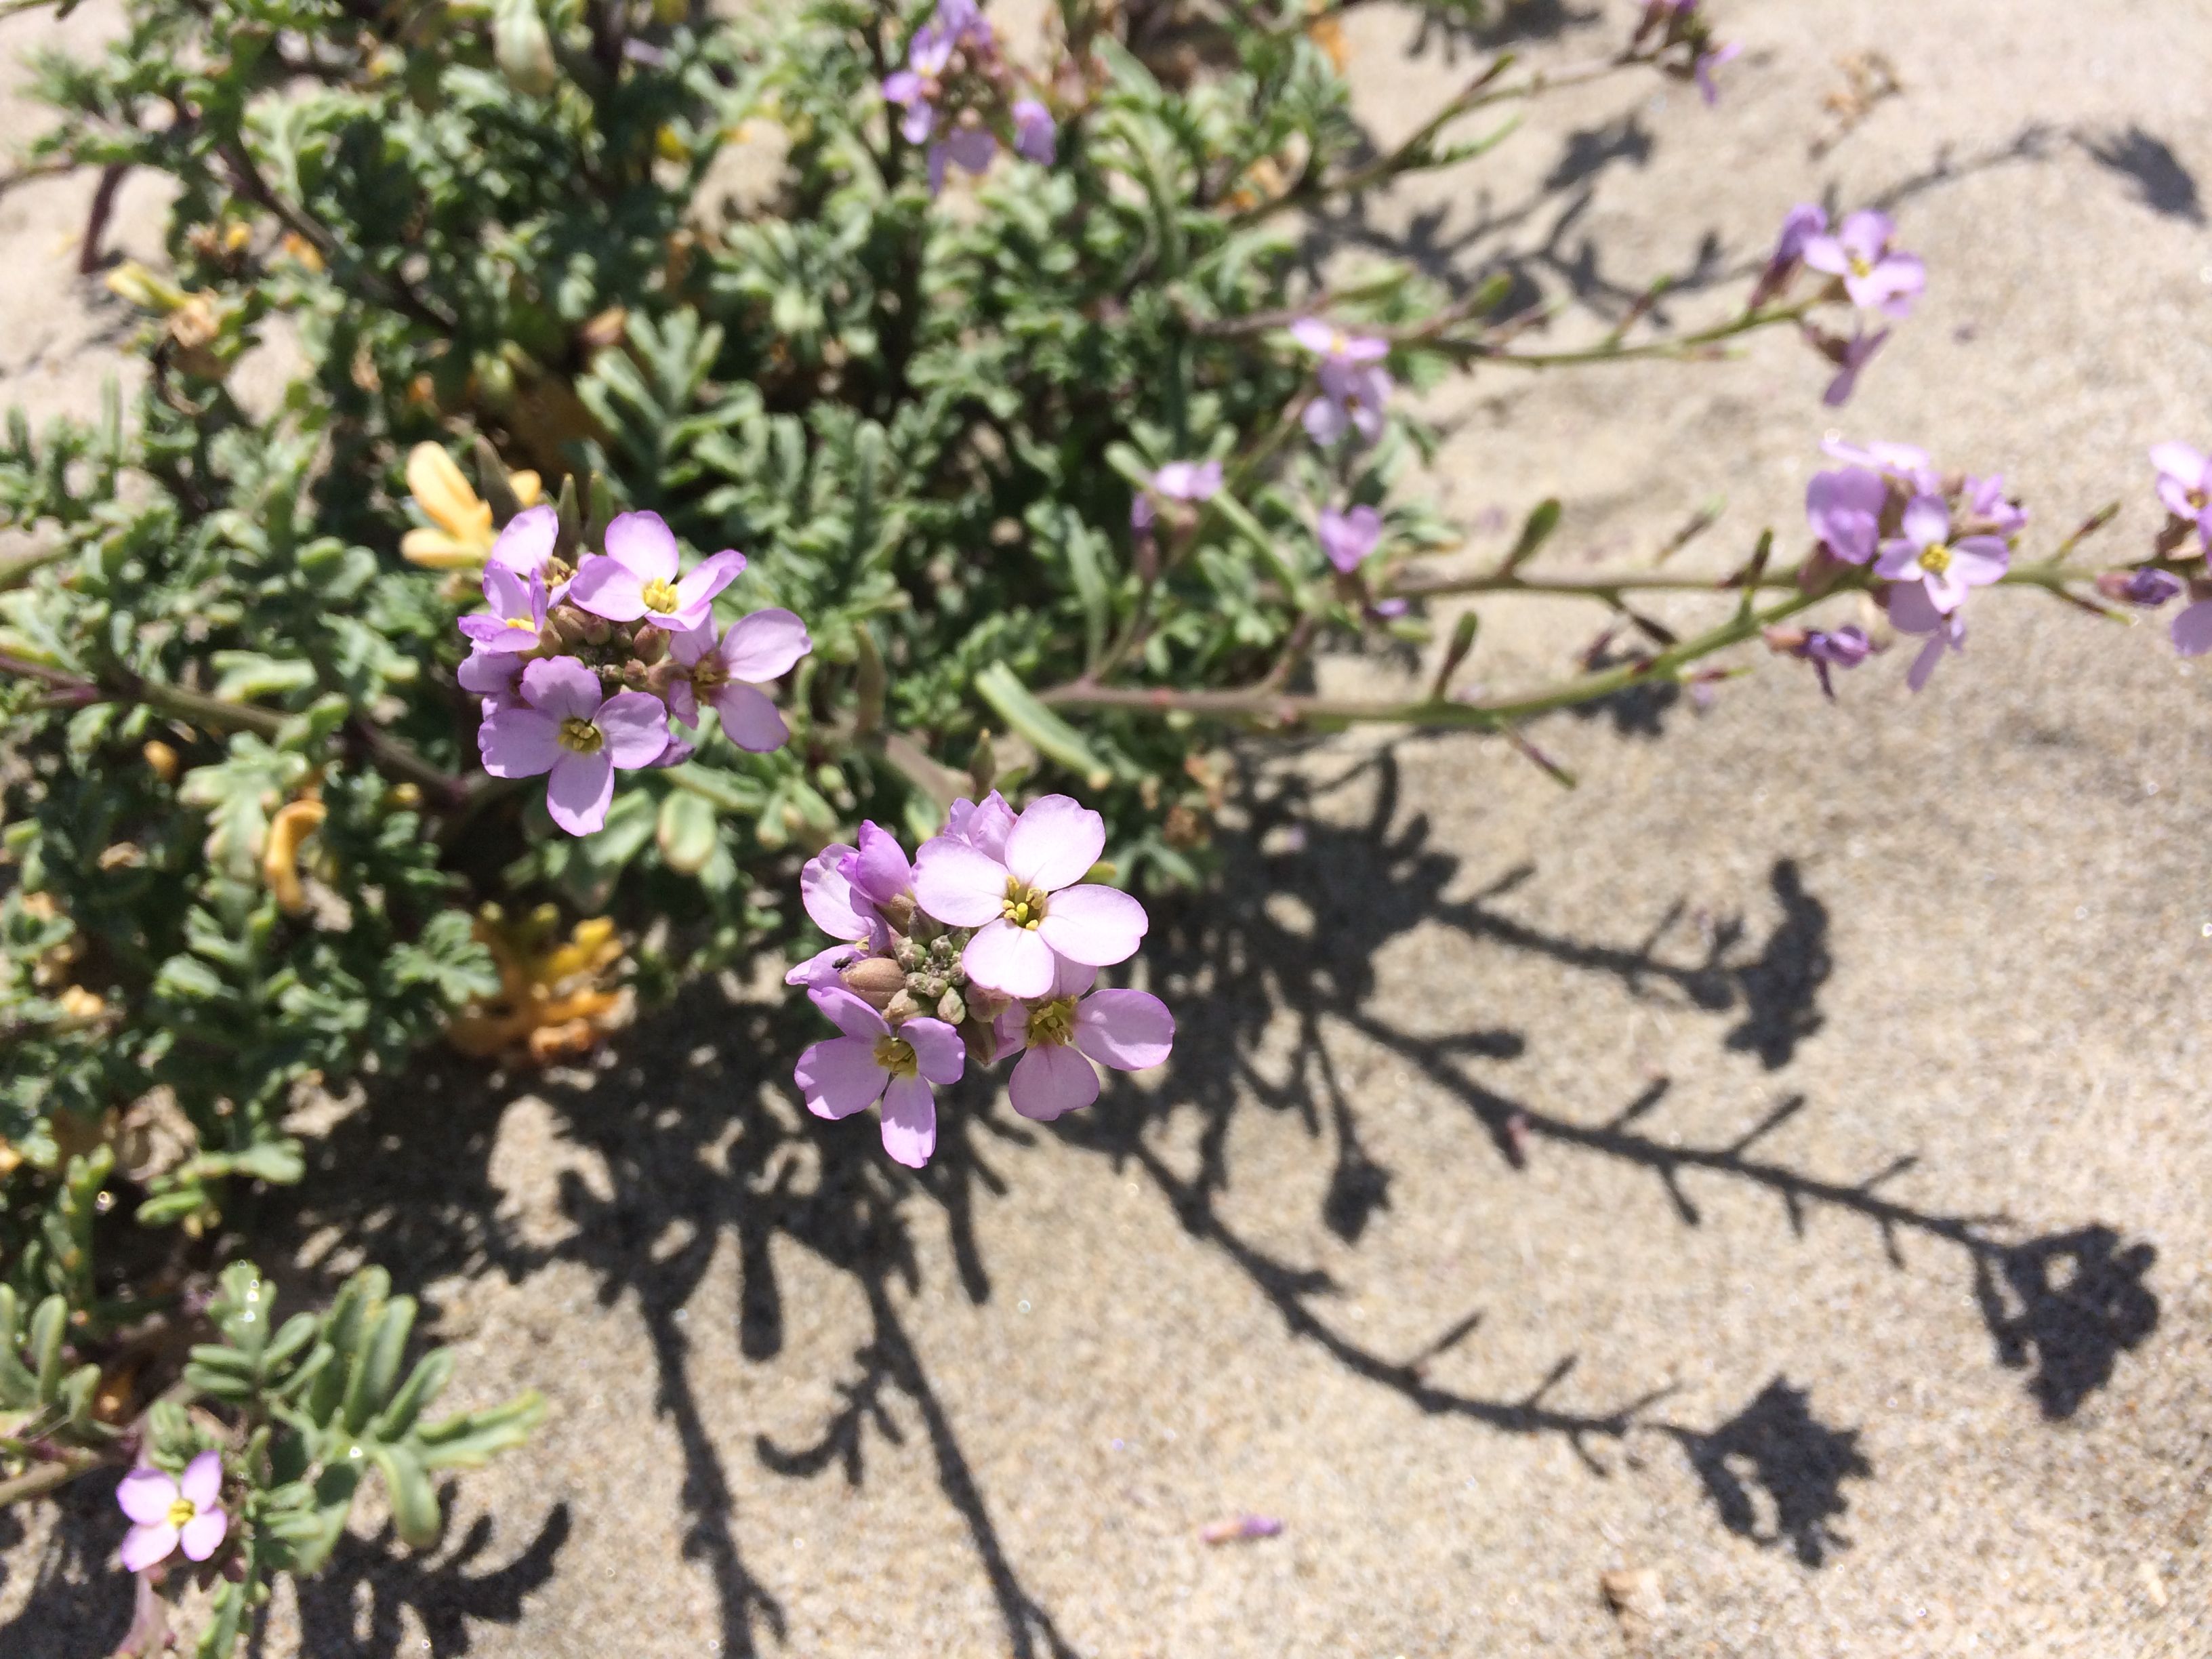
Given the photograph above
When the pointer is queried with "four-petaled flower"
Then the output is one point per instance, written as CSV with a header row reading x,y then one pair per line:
x,y
1925,555
1354,385
526,547
2185,484
1026,905
872,1061
1348,538
167,1515
567,726
517,618
1070,1026
1845,509
1876,277
635,578
759,647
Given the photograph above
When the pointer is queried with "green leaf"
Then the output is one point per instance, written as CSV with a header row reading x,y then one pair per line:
x,y
1002,688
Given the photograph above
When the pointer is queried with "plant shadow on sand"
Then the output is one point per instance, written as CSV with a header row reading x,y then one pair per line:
x,y
699,1147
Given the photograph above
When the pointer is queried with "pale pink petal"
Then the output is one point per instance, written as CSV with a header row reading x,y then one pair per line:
x,y
643,544
1048,1082
2183,461
144,1545
910,1122
958,885
579,790
1866,233
564,688
1071,979
764,645
938,1050
749,719
606,587
1099,925
1128,1030
1911,611
1010,1033
203,1533
838,1076
1978,561
1899,561
506,592
635,726
1011,959
690,645
528,540
827,892
516,742
1314,335
984,825
202,1483
1054,841
682,699
881,871
849,1013
1826,254
2192,630
145,1495
820,970
707,578
1925,665
490,674
1927,521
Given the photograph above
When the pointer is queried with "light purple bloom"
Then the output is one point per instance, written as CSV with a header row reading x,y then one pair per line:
x,y
525,547
566,727
1986,500
971,147
983,825
823,967
1354,385
494,676
1856,353
1709,60
168,1515
759,647
1332,345
2146,586
1348,538
1905,463
635,578
1799,225
1912,610
1027,903
1876,277
517,618
1072,1026
1844,647
1188,481
842,1075
1845,509
1036,138
1925,555
844,889
2193,629
2185,484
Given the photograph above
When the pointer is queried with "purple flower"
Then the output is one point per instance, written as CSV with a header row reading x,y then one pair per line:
x,y
1026,904
565,726
166,1514
2193,629
1876,278
1912,610
759,647
1354,385
1709,60
842,1075
1986,502
525,547
1853,355
1188,481
1071,1027
517,618
1035,139
1348,538
1905,463
636,577
2185,484
844,889
494,676
1845,509
1845,648
822,967
983,825
1925,555
971,147
1799,225
2145,587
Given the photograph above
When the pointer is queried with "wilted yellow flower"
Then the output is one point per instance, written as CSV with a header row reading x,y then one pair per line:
x,y
552,998
293,246
280,854
464,533
81,1003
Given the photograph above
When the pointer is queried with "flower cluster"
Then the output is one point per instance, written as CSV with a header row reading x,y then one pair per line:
x,y
986,945
955,81
2185,490
581,670
1865,270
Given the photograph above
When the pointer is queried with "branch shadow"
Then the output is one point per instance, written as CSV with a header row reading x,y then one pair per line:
x,y
1776,1473
2161,182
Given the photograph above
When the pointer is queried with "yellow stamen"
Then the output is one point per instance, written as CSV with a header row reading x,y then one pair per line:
x,y
1024,905
181,1512
660,595
1935,560
580,736
895,1055
1052,1024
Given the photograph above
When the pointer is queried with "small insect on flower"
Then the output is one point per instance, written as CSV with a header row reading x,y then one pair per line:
x,y
872,1061
168,1515
635,578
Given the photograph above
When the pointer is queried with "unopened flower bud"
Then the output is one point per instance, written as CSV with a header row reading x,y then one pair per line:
x,y
901,1007
898,910
875,981
950,1009
910,955
649,645
596,629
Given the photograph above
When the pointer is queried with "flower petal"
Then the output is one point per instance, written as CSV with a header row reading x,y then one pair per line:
x,y
527,542
142,1546
635,726
2193,629
202,1483
820,970
958,885
606,588
1899,561
1927,521
1325,421
910,1122
1866,233
2185,463
203,1533
938,1050
749,719
146,1494
643,544
707,578
764,645
1048,1083
1128,1030
578,791
1100,926
1978,561
838,1076
849,1013
881,869
1054,841
984,825
1925,665
516,742
564,688
1011,959
827,892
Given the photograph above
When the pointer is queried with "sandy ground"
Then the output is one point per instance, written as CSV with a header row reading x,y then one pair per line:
x,y
1775,1171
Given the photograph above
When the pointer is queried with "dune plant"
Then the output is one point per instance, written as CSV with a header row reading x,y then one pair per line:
x,y
595,471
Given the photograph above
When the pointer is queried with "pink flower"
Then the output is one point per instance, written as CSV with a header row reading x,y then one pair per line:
x,y
1876,277
517,618
1913,610
1906,462
1845,509
844,889
981,824
759,647
167,1514
2185,484
1035,138
525,547
1985,499
1348,538
1799,225
1850,357
972,148
1354,385
842,1075
2193,629
1924,554
494,676
1072,1026
1028,911
1709,60
567,727
636,577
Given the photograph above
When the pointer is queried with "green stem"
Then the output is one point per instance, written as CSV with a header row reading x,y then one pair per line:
x,y
37,1482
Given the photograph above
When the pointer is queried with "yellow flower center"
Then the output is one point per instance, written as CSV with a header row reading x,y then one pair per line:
x,y
1024,905
895,1055
181,1511
557,571
708,672
1935,560
580,736
660,595
1052,1024
1859,265
2195,499
524,622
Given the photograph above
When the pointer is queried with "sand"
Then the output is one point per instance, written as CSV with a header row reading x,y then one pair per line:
x,y
1751,1205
